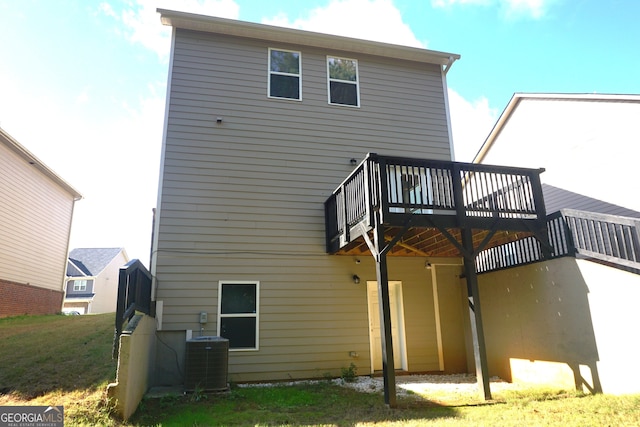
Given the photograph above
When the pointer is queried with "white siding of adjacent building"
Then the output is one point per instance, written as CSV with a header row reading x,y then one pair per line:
x,y
105,286
587,144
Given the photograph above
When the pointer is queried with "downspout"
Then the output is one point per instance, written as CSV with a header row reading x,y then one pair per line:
x,y
76,197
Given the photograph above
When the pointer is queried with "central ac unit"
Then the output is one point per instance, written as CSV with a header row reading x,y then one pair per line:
x,y
206,364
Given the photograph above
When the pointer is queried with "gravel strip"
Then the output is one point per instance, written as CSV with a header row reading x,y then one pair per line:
x,y
455,384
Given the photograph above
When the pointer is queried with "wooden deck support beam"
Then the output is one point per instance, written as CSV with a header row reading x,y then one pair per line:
x,y
475,314
388,368
379,252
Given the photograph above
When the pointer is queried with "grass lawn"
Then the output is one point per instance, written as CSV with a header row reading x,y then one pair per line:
x,y
66,360
58,360
326,404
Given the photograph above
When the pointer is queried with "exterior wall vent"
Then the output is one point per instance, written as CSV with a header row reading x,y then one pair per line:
x,y
206,364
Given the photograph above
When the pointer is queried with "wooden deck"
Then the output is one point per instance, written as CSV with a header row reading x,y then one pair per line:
x,y
424,204
402,206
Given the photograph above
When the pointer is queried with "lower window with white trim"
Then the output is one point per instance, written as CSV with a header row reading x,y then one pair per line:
x,y
238,313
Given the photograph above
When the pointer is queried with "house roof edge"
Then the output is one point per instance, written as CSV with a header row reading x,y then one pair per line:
x,y
21,151
519,96
272,33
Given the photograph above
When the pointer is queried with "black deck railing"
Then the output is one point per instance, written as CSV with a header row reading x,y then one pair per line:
x,y
611,239
134,294
452,194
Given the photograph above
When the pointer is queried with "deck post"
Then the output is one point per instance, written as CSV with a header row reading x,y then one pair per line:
x,y
475,314
388,368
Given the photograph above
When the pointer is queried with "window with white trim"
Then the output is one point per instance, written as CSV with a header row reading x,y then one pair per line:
x,y
343,81
79,285
285,79
238,316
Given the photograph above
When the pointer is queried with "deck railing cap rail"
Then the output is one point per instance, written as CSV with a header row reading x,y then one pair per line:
x,y
444,164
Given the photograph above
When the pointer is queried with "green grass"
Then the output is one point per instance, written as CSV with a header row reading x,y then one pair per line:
x,y
58,360
66,360
326,404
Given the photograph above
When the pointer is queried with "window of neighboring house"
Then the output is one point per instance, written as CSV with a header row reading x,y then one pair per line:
x,y
238,314
79,285
284,74
343,81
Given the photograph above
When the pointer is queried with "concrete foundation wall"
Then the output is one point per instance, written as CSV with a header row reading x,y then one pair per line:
x,y
135,364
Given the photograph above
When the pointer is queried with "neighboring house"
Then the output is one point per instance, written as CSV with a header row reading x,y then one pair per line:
x,y
261,238
585,142
92,280
557,198
568,320
36,209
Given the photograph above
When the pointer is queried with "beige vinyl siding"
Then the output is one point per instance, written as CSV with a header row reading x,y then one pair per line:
x,y
35,214
243,200
105,286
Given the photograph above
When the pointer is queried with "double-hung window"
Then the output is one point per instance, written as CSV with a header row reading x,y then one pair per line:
x,y
284,74
343,81
79,285
238,304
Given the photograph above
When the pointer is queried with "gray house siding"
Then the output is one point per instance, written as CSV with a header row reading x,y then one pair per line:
x,y
243,200
88,290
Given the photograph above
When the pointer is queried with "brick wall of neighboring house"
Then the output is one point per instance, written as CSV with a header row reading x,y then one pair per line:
x,y
17,299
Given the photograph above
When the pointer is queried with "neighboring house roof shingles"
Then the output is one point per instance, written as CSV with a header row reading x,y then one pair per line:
x,y
558,198
74,270
90,261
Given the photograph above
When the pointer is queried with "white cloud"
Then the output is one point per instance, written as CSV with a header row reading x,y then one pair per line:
x,y
448,3
377,20
471,122
142,22
107,10
516,8
83,97
511,9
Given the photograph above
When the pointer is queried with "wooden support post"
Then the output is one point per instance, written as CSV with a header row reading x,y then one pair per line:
x,y
475,314
388,368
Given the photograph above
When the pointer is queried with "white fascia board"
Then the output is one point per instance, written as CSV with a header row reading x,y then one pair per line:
x,y
272,33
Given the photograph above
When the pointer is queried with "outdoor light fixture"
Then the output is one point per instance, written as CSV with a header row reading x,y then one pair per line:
x,y
356,279
353,162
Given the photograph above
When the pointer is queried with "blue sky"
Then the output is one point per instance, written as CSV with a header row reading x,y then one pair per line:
x,y
82,83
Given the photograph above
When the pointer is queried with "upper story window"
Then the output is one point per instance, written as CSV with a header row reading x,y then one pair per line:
x,y
79,285
343,81
284,74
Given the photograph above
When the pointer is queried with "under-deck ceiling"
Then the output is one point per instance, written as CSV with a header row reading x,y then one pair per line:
x,y
430,242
